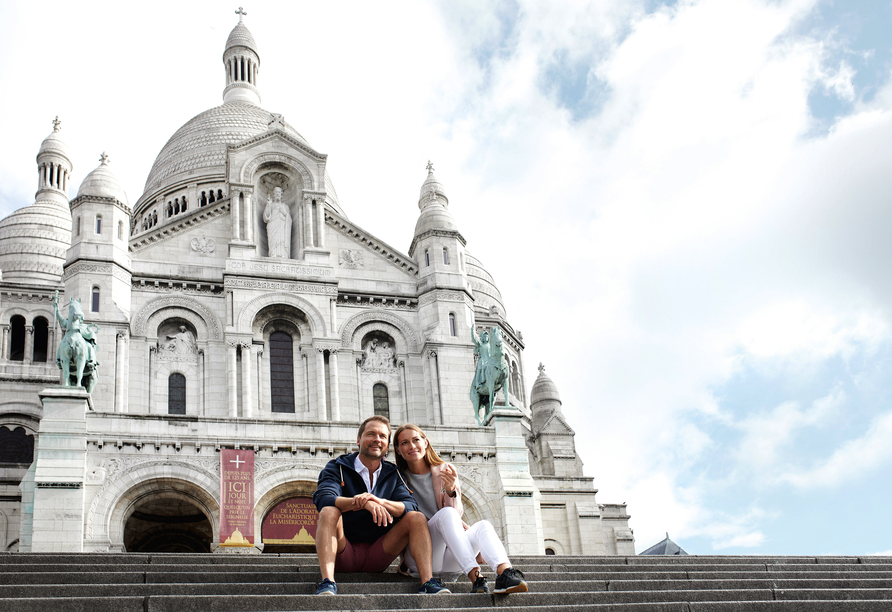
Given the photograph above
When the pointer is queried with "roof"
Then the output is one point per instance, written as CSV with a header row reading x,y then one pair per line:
x,y
665,547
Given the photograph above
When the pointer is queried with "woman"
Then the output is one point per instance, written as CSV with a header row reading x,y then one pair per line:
x,y
455,545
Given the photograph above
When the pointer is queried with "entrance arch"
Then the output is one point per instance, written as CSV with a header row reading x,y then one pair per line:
x,y
168,521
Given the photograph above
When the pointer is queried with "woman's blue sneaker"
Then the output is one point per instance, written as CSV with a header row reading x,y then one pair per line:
x,y
326,587
433,587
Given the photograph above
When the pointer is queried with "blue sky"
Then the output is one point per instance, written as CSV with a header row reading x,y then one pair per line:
x,y
692,204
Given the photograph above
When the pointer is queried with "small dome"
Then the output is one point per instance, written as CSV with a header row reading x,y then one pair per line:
x,y
486,295
54,145
435,216
544,389
241,37
103,183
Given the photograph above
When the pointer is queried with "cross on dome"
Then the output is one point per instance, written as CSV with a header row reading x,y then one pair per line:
x,y
104,158
57,125
541,368
430,166
241,13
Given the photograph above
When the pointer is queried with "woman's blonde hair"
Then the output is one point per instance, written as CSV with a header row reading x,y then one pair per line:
x,y
430,455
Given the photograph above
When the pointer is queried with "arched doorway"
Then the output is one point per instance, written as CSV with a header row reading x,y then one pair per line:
x,y
167,522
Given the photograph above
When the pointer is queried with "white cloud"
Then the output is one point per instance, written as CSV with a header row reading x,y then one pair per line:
x,y
851,461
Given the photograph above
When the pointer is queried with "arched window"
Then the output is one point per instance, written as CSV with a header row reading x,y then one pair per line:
x,y
41,337
176,394
17,341
169,210
16,446
452,325
183,207
120,230
154,217
427,257
549,552
94,306
281,372
176,206
204,199
211,197
98,224
219,194
78,230
381,400
445,256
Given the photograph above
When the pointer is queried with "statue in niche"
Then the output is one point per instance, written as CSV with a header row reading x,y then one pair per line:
x,y
370,354
385,355
277,217
181,343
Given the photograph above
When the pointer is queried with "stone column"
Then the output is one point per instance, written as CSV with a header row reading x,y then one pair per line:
x,y
59,470
150,380
247,391
404,417
359,411
249,218
308,222
4,350
437,407
120,353
29,344
257,364
335,394
333,304
202,391
321,410
233,378
518,496
305,364
51,346
320,223
235,212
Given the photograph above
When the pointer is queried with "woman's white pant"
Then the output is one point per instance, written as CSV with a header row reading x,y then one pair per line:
x,y
454,549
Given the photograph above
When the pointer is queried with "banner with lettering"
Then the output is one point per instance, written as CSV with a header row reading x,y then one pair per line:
x,y
236,497
291,522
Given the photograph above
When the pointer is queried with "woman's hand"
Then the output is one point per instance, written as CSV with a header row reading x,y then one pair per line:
x,y
449,478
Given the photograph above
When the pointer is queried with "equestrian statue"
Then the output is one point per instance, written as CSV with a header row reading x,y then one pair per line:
x,y
492,371
77,350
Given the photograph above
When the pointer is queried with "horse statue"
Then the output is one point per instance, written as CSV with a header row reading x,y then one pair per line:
x,y
492,371
76,355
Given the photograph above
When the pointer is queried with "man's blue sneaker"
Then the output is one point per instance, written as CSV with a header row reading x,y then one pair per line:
x,y
433,587
326,587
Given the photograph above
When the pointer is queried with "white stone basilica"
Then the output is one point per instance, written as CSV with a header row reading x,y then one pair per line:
x,y
239,307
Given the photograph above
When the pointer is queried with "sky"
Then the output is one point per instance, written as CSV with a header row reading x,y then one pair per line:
x,y
687,207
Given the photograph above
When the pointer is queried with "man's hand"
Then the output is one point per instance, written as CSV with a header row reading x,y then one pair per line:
x,y
381,516
359,501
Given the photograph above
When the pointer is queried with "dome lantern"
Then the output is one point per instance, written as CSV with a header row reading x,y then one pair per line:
x,y
242,63
54,168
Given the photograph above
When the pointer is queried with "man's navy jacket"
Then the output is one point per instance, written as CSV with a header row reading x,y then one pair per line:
x,y
358,524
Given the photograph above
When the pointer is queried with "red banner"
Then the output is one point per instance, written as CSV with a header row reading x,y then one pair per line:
x,y
291,522
236,497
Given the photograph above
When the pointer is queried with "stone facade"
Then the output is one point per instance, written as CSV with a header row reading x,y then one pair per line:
x,y
239,307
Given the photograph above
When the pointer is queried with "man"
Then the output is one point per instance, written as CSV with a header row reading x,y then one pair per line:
x,y
367,515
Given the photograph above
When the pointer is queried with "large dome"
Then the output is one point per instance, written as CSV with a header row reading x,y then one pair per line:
x,y
199,147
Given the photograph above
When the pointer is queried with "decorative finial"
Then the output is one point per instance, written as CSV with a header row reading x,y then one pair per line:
x,y
541,368
430,166
241,14
104,158
57,125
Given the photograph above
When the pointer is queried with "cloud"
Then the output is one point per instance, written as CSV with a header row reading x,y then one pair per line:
x,y
851,461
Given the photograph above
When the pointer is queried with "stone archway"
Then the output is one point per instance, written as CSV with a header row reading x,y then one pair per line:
x,y
168,521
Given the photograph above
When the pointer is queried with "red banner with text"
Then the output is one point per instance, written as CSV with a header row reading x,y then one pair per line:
x,y
291,522
236,497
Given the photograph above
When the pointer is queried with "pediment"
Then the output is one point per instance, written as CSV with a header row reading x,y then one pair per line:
x,y
556,425
369,244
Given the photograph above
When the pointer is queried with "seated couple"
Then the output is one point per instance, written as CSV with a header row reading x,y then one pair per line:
x,y
370,513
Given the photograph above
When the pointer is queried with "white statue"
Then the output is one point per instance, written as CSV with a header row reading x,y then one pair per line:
x,y
370,354
278,225
385,356
181,343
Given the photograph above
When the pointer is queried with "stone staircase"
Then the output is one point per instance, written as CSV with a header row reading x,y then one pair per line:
x,y
31,582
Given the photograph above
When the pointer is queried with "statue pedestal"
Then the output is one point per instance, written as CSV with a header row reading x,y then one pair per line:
x,y
521,514
59,470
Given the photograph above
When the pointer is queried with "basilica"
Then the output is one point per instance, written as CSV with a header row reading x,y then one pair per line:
x,y
235,307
